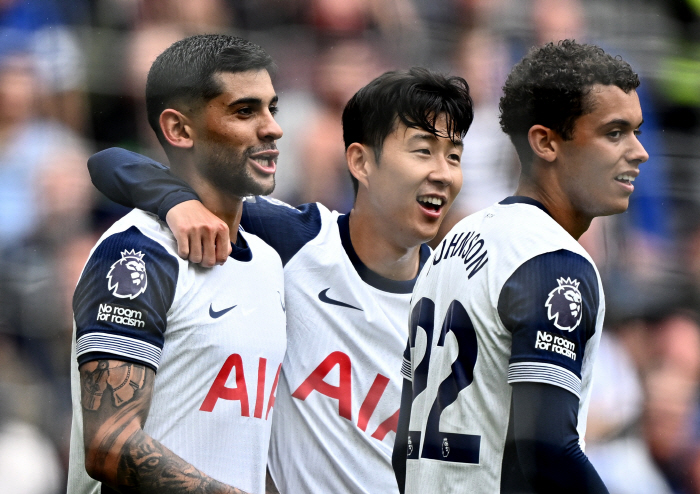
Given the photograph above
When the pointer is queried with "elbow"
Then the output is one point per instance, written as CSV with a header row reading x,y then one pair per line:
x,y
94,467
97,461
536,457
548,466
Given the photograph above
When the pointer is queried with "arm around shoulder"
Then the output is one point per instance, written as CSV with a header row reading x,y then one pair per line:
x,y
135,181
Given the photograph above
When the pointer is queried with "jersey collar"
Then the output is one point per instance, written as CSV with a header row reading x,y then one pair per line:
x,y
240,251
525,200
370,277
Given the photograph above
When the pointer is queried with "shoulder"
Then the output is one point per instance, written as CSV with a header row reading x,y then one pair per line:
x,y
517,233
138,241
285,228
127,287
149,227
275,211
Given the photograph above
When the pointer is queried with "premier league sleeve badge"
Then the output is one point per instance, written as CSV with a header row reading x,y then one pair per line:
x,y
564,304
127,277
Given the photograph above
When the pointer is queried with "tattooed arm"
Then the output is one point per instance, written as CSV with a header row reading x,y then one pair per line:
x,y
116,398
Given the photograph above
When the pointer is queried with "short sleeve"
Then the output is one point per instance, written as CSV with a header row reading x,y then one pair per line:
x,y
550,304
285,228
122,299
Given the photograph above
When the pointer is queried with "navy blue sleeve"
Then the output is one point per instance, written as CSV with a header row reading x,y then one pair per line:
x,y
550,305
287,229
122,299
544,420
135,181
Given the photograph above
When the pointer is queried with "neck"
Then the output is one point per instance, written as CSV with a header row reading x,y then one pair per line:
x,y
376,248
227,207
546,189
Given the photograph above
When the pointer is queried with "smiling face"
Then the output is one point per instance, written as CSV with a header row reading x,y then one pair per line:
x,y
414,183
236,134
597,167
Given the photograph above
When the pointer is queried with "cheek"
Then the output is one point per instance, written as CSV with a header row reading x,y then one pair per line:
x,y
457,181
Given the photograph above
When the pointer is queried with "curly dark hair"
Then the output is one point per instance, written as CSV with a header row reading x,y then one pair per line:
x,y
550,87
416,97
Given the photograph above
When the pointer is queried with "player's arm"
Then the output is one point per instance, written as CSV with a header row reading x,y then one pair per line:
x,y
116,397
551,306
135,181
398,457
547,442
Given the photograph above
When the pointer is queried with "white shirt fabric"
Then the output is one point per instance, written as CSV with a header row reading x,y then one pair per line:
x,y
206,332
340,387
508,296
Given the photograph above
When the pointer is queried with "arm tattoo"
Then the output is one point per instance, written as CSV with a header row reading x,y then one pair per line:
x,y
123,378
148,466
116,398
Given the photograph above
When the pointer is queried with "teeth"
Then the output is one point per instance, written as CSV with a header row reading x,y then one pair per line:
x,y
625,178
264,161
431,200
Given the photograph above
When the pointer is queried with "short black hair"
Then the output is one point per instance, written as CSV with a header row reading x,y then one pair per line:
x,y
184,73
550,86
415,97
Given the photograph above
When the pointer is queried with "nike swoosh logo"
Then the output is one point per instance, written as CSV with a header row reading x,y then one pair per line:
x,y
324,298
215,314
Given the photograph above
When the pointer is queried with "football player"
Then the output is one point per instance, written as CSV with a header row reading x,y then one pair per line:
x,y
348,277
175,367
507,314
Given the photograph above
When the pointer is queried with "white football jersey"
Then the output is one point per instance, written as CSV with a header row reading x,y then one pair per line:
x,y
340,387
215,337
508,296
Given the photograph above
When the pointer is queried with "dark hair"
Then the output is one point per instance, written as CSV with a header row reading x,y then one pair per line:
x,y
416,97
550,87
183,73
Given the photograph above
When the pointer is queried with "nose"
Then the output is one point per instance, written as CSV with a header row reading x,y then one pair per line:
x,y
269,129
638,153
443,173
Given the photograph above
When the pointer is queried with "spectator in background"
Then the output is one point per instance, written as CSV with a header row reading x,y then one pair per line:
x,y
26,142
341,69
159,24
489,164
38,27
672,378
28,460
37,276
615,443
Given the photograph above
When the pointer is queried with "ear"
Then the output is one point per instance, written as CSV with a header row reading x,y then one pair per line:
x,y
543,142
358,157
176,129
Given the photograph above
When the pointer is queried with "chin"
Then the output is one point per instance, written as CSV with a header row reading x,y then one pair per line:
x,y
425,235
616,208
264,187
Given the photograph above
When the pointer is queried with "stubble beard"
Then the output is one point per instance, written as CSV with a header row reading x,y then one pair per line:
x,y
228,171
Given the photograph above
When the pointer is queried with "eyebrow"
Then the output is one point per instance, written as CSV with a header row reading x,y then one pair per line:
x,y
622,122
427,136
252,101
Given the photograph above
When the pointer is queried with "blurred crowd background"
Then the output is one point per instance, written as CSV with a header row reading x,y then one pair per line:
x,y
72,75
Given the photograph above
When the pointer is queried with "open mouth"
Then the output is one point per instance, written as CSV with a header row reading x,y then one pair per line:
x,y
266,161
625,179
431,203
